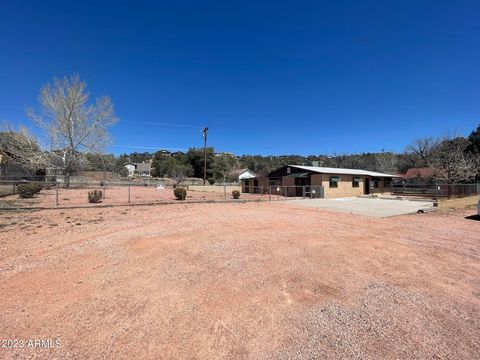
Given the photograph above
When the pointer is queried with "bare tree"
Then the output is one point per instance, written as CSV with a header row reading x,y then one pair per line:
x,y
455,163
425,149
20,147
73,126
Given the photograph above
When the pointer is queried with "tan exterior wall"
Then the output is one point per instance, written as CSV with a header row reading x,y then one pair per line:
x,y
344,189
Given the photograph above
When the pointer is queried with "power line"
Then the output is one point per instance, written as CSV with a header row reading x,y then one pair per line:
x,y
146,147
160,124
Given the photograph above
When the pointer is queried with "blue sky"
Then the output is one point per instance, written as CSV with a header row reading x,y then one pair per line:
x,y
267,77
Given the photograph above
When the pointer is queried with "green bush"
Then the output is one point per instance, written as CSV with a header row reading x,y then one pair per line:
x,y
37,186
211,181
95,196
180,193
236,194
27,190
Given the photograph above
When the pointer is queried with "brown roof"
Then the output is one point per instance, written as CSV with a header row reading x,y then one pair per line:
x,y
426,172
146,166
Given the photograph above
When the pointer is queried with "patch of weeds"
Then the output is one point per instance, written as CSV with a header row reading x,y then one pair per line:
x,y
78,223
53,224
7,203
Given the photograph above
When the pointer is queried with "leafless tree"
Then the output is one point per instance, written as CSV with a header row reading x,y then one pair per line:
x,y
20,147
425,149
455,164
73,126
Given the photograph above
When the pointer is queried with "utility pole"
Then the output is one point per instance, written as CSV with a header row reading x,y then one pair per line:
x,y
204,135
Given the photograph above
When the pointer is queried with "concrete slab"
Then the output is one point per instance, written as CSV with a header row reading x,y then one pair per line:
x,y
373,207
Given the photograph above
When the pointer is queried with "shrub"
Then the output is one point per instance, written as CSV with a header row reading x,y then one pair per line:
x,y
26,190
95,196
211,181
236,194
37,186
180,193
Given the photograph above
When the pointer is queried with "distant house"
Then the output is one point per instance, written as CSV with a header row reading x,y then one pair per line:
x,y
164,152
224,154
177,153
139,169
422,173
242,174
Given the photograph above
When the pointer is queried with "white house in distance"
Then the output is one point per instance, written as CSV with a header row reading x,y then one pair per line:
x,y
243,174
142,169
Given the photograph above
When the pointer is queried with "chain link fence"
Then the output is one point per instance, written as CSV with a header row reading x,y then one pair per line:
x,y
437,191
55,194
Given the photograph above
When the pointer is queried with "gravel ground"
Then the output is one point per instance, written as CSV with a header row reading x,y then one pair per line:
x,y
253,281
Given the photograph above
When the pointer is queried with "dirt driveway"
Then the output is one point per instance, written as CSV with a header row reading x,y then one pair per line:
x,y
239,281
375,207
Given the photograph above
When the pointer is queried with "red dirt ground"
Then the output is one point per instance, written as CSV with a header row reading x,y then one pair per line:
x,y
252,281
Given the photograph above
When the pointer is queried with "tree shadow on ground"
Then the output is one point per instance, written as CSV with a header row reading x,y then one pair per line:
x,y
473,217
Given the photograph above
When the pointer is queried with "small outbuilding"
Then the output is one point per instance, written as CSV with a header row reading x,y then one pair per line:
x,y
314,181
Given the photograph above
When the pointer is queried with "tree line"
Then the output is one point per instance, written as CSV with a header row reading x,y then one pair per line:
x,y
78,135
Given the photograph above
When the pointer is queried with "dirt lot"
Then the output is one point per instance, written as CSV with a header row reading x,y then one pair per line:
x,y
255,280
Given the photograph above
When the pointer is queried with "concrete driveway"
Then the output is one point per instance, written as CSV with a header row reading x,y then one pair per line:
x,y
367,206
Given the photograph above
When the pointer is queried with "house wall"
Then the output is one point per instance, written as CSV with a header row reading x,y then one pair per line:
x,y
288,181
130,168
344,189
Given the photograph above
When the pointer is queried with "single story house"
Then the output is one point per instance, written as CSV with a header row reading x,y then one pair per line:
x,y
242,174
315,181
139,169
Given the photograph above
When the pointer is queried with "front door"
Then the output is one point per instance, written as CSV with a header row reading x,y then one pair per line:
x,y
366,184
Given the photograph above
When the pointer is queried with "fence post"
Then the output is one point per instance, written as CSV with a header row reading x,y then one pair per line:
x,y
224,191
56,194
303,191
129,193
104,193
13,190
269,193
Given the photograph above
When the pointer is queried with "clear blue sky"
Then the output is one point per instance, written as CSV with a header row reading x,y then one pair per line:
x,y
267,77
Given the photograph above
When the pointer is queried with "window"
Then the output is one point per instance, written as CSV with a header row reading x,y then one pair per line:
x,y
375,183
333,183
387,183
356,182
